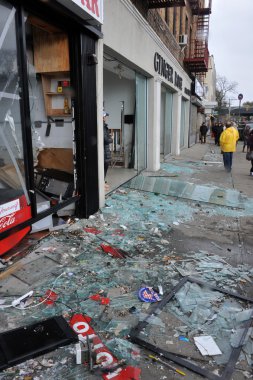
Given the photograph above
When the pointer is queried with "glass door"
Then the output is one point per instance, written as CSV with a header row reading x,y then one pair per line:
x,y
182,127
168,122
141,123
14,198
50,98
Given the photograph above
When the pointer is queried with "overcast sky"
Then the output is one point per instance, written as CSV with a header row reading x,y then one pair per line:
x,y
231,43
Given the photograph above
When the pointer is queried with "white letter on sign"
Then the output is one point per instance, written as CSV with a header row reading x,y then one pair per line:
x,y
85,327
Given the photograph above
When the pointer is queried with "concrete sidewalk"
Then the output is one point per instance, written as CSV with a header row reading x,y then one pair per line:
x,y
239,178
190,218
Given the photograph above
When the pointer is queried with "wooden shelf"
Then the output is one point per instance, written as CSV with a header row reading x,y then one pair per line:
x,y
49,84
51,60
56,94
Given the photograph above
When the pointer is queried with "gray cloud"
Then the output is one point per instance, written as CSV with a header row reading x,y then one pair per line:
x,y
231,42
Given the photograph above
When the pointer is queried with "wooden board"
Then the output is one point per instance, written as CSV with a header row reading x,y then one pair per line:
x,y
13,268
51,51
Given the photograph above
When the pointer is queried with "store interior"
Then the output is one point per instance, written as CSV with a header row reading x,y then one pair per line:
x,y
120,104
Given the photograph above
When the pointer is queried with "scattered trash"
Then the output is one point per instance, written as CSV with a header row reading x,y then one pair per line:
x,y
49,298
132,310
115,252
98,298
47,363
207,345
183,338
167,365
147,294
92,230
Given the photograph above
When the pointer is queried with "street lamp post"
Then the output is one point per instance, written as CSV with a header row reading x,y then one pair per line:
x,y
240,97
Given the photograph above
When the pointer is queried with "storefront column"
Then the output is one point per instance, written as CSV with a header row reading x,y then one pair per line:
x,y
177,103
154,116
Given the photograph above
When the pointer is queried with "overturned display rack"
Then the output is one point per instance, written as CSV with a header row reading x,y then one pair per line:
x,y
229,368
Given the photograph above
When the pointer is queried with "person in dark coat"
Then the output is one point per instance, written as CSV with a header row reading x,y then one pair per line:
x,y
219,132
203,131
215,133
250,148
107,141
246,133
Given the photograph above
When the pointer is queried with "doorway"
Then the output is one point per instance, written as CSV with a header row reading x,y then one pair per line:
x,y
125,100
166,121
52,125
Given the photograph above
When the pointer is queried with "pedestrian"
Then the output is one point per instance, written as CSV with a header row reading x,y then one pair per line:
x,y
246,133
228,140
215,133
107,152
250,150
219,132
203,131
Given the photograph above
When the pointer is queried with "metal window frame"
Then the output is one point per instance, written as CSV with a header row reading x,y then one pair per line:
x,y
229,368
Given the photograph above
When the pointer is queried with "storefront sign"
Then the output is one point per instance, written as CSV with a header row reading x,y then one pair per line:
x,y
9,208
80,324
93,8
165,70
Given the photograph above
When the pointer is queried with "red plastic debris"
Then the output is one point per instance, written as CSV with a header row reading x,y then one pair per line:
x,y
95,297
102,300
49,298
80,324
92,230
105,301
128,373
115,252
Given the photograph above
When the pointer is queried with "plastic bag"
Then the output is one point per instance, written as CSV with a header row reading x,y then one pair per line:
x,y
249,156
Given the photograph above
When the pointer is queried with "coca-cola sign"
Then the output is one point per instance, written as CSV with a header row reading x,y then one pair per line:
x,y
7,221
9,207
11,215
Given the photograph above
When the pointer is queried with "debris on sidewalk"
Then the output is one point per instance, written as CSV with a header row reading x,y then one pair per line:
x,y
207,345
147,294
138,228
115,252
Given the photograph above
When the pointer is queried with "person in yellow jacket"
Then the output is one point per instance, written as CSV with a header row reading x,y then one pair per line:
x,y
228,140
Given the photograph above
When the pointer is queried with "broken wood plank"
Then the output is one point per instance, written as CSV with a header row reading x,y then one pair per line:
x,y
13,268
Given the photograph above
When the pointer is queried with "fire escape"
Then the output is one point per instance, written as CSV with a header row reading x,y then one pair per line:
x,y
165,3
198,54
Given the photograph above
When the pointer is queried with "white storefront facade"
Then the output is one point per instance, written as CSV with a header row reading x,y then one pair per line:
x,y
156,92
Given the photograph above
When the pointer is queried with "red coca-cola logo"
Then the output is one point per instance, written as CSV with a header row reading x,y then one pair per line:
x,y
7,220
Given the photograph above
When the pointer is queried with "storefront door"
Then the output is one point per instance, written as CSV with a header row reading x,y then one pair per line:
x,y
182,125
141,122
14,197
168,122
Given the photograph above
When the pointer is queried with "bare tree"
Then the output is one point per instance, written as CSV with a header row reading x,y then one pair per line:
x,y
248,104
223,88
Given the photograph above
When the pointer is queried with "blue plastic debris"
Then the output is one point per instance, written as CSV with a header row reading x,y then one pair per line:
x,y
183,338
147,294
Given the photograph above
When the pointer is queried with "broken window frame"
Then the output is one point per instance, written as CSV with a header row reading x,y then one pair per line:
x,y
229,368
